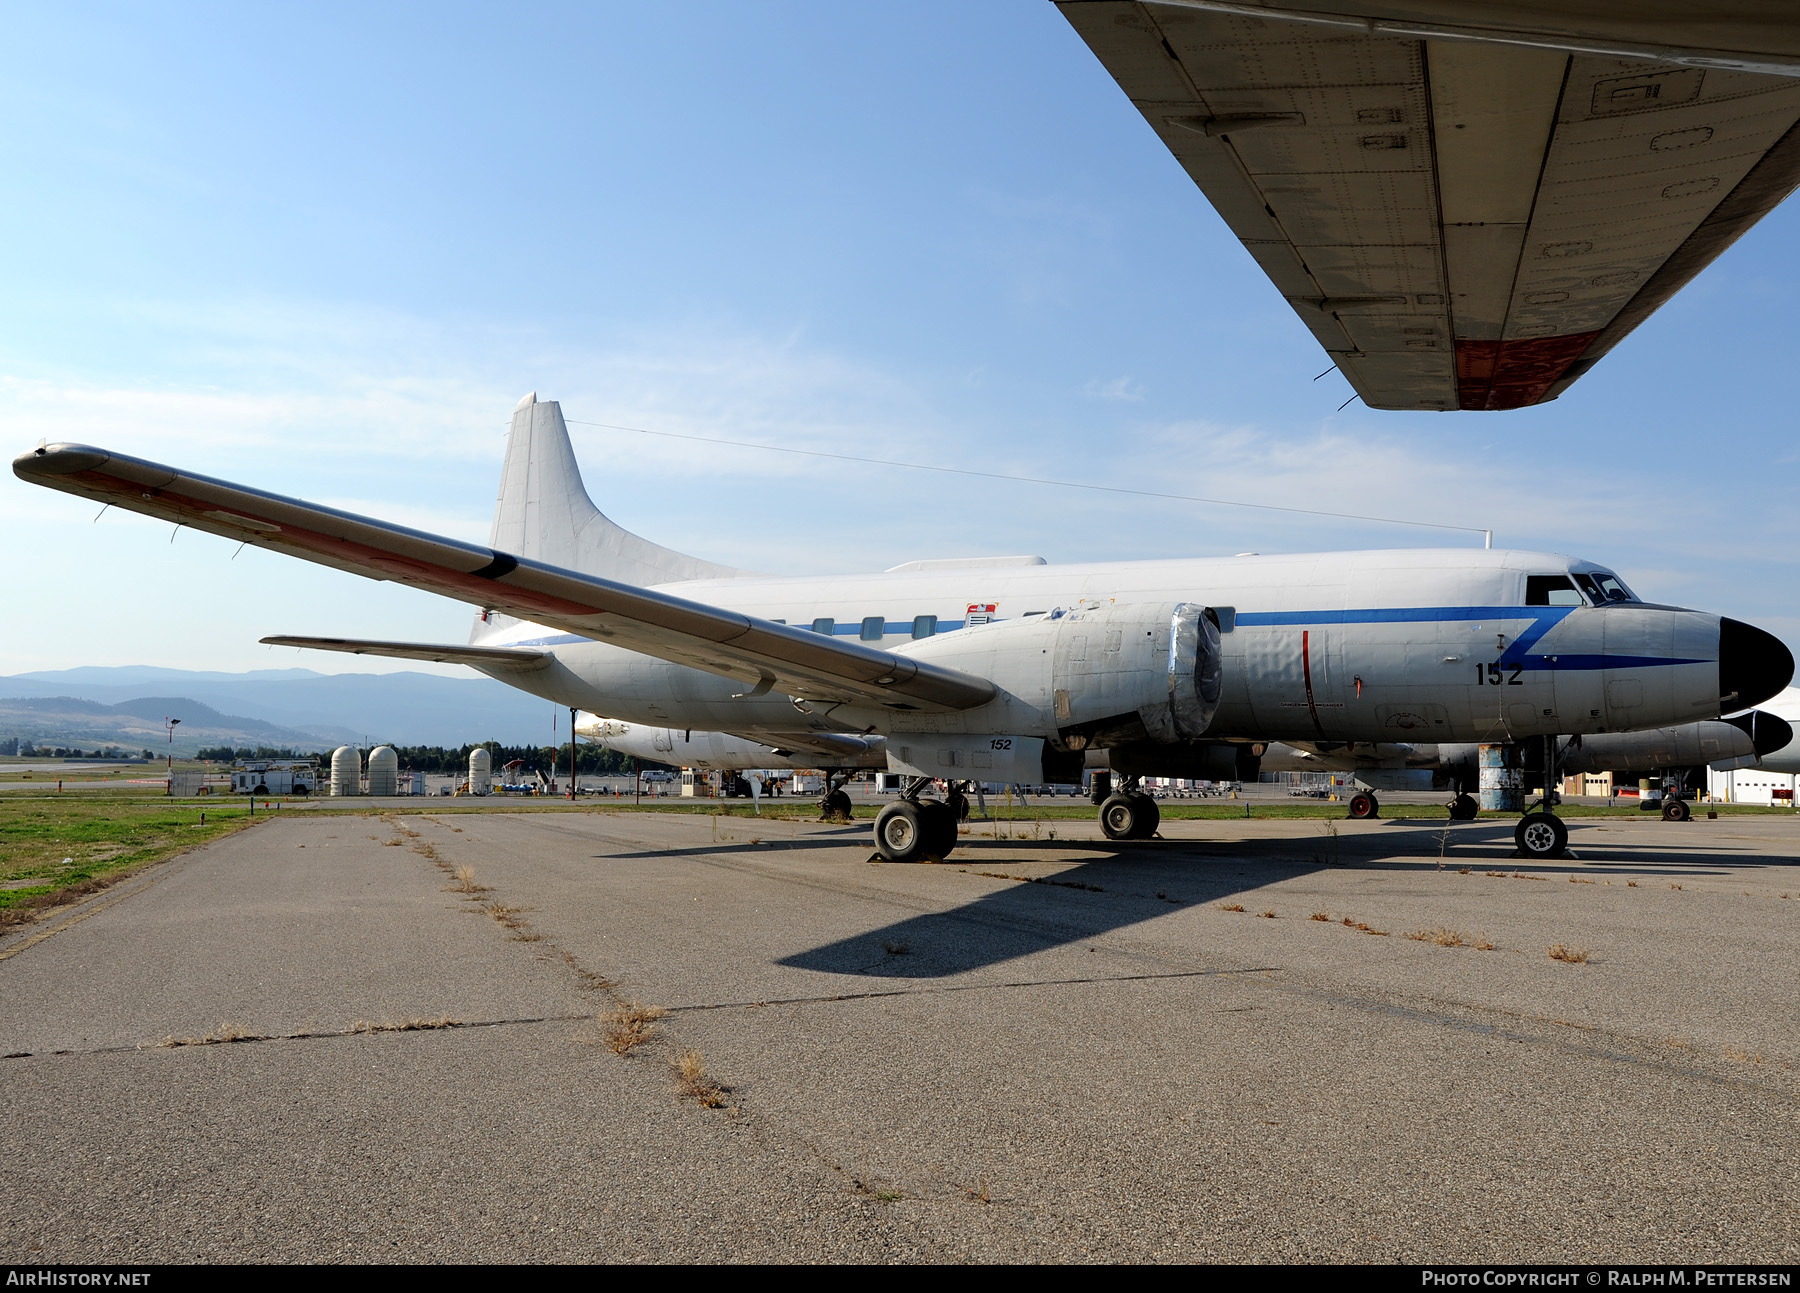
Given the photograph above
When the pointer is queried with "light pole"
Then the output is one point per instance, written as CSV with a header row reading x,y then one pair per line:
x,y
169,725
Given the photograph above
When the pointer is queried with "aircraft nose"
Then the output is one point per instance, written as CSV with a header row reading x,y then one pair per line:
x,y
1767,732
1753,665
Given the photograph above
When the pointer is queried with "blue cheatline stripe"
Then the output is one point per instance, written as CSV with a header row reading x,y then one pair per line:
x,y
1546,615
1543,619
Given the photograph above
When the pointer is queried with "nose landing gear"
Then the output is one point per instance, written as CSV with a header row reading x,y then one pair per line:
x,y
1363,804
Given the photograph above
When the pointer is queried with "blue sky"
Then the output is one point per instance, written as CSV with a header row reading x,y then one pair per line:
x,y
324,251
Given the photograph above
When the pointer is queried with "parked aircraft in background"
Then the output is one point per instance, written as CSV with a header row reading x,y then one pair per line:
x,y
1675,758
1468,202
1006,669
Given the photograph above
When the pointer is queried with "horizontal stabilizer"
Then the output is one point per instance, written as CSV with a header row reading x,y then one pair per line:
x,y
520,658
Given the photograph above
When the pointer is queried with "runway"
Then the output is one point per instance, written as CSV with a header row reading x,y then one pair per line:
x,y
305,1043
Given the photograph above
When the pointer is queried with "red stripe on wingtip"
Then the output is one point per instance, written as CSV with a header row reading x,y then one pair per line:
x,y
1512,374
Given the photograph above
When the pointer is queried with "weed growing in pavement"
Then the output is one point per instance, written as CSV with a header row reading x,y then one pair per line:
x,y
465,881
1267,915
1463,871
694,1083
1674,886
1231,906
1321,915
896,947
1631,884
1442,936
1364,927
224,1033
625,1029
1571,955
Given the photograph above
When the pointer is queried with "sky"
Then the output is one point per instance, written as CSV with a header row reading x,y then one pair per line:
x,y
323,250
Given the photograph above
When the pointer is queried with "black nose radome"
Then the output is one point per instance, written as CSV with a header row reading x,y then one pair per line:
x,y
1767,733
1753,665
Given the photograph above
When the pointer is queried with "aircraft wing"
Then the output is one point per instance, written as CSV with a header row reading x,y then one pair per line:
x,y
765,656
523,659
836,745
1461,225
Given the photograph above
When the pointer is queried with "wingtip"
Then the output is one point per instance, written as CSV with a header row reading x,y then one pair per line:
x,y
58,460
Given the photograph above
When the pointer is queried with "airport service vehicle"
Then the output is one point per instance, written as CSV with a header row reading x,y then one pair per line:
x,y
1468,203
1173,668
275,777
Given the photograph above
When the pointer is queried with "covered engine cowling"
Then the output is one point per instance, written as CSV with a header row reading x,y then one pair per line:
x,y
1101,674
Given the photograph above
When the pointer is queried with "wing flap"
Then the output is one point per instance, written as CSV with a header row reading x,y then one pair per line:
x,y
719,641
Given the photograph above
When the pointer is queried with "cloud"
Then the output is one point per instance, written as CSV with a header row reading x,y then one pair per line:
x,y
1119,388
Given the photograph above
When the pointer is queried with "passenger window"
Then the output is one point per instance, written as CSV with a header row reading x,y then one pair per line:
x,y
1551,590
825,626
872,627
924,626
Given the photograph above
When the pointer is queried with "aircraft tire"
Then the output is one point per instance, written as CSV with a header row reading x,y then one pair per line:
x,y
939,824
1541,836
900,832
1149,817
1119,817
836,806
959,804
1363,804
1464,808
1675,810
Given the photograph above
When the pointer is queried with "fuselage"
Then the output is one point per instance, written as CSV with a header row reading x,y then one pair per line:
x,y
1402,645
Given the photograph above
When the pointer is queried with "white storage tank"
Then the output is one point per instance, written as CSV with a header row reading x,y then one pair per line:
x,y
384,771
346,771
481,771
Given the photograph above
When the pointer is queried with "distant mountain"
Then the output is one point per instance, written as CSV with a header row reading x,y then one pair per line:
x,y
314,709
138,724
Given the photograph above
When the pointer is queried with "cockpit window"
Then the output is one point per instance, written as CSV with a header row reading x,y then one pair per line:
x,y
1550,590
1612,587
1589,587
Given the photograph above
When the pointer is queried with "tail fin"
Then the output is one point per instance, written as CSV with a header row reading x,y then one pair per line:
x,y
544,512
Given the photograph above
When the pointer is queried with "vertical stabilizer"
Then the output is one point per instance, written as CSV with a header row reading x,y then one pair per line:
x,y
544,512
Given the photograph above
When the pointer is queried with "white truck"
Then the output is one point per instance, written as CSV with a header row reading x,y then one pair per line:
x,y
275,777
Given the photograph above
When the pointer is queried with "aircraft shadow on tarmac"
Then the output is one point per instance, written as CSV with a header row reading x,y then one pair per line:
x,y
1137,883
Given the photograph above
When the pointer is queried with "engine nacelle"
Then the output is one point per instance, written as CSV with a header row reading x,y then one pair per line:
x,y
1101,674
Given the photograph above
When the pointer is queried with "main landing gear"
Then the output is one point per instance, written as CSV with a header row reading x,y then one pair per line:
x,y
1464,808
1126,814
834,804
919,830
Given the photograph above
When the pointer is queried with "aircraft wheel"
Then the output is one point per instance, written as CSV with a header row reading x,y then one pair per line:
x,y
1149,817
1541,835
1675,810
938,821
1363,804
1464,808
836,806
959,804
1119,817
900,832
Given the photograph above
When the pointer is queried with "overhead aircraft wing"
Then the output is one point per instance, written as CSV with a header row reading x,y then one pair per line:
x,y
524,659
1461,225
763,655
836,745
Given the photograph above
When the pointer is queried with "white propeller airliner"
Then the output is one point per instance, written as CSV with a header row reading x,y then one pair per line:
x,y
1005,669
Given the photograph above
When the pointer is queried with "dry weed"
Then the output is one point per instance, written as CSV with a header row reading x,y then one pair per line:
x,y
1631,884
1462,871
1442,936
1231,906
465,881
224,1033
1579,880
1321,915
1572,955
896,947
1267,915
1674,886
695,1083
628,1027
